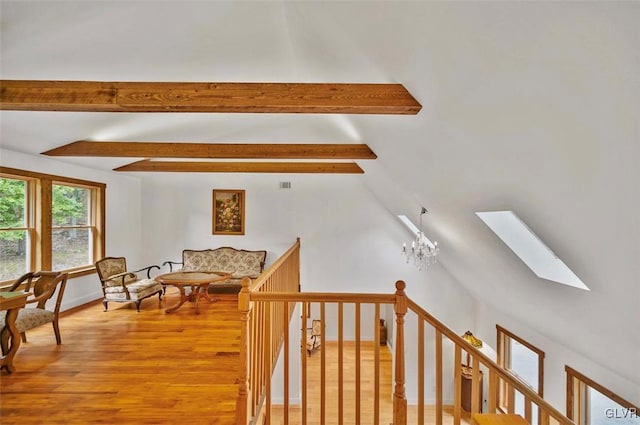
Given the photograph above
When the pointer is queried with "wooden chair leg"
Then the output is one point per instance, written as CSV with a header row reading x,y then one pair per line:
x,y
105,303
4,341
23,335
138,305
56,330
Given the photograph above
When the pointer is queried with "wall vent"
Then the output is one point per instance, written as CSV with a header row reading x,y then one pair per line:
x,y
285,185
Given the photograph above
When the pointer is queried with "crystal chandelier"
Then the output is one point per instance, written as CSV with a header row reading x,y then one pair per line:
x,y
423,253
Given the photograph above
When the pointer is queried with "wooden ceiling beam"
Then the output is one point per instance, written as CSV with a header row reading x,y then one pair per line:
x,y
212,150
307,98
243,167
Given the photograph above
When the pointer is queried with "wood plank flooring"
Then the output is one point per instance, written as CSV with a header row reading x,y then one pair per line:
x,y
367,363
125,367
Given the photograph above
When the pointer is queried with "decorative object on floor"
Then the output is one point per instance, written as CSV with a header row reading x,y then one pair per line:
x,y
41,287
475,342
383,333
423,252
228,212
123,286
314,340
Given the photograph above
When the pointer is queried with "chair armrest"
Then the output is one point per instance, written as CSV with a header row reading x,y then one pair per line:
x,y
148,269
25,279
116,276
171,263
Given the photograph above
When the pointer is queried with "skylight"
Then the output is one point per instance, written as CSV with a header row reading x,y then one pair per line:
x,y
529,247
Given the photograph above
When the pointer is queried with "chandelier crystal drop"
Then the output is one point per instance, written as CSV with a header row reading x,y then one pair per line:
x,y
423,253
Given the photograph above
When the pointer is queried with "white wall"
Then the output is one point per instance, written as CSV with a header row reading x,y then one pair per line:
x,y
349,243
123,216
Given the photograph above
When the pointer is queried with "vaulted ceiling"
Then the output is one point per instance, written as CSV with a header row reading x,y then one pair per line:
x,y
526,106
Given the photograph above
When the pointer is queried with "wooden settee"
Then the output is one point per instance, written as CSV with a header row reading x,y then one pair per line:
x,y
238,262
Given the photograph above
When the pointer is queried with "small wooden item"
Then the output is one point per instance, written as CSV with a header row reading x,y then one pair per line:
x,y
467,374
383,333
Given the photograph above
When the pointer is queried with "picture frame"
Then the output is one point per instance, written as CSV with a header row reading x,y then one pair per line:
x,y
228,212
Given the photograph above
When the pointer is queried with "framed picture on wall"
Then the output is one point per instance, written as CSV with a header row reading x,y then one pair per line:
x,y
228,212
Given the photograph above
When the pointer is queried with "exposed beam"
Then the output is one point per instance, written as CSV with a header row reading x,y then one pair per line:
x,y
96,96
213,150
243,167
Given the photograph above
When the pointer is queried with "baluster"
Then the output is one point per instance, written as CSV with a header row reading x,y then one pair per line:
x,y
244,305
303,354
475,386
340,363
267,364
438,377
493,391
420,370
285,321
357,363
323,365
376,367
527,409
399,395
544,417
457,385
511,398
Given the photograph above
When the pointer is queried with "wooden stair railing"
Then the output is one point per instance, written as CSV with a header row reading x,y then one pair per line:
x,y
267,306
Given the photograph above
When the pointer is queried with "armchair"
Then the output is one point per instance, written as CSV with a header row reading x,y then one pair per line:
x,y
42,286
120,285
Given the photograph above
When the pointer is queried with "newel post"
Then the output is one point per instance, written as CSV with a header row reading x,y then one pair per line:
x,y
244,307
399,396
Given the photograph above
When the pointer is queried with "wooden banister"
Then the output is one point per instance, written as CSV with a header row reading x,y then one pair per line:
x,y
399,397
266,307
511,380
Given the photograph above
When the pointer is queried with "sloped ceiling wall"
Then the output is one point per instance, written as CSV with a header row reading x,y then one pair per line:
x,y
530,106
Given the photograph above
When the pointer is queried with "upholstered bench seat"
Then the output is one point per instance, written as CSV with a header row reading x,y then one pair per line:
x,y
239,262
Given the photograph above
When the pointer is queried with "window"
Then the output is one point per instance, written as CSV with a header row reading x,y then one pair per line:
x,y
16,227
589,403
526,362
49,223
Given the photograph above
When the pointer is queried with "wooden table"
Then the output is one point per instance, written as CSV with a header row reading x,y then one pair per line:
x,y
11,302
198,281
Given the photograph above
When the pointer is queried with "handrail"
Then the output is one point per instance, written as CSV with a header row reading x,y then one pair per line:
x,y
258,282
263,331
266,307
489,363
323,297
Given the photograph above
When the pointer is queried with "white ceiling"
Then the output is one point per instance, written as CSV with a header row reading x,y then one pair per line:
x,y
527,106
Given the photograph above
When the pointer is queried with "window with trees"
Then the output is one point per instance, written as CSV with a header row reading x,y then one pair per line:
x,y
589,403
526,362
49,223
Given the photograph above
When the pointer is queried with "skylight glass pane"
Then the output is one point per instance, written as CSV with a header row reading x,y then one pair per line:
x,y
530,248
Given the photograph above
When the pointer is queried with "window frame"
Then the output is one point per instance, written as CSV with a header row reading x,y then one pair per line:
x,y
506,396
39,210
578,400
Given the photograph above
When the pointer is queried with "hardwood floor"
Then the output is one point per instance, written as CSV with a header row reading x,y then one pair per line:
x,y
367,390
125,367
